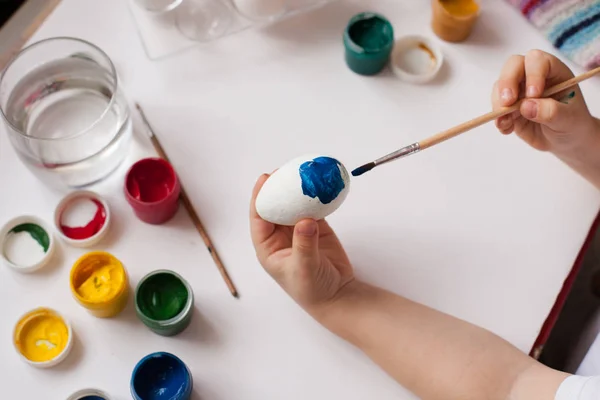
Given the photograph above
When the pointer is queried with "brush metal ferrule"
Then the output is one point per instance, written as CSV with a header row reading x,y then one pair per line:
x,y
403,152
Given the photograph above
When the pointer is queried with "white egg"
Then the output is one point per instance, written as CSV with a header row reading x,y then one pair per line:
x,y
311,186
260,9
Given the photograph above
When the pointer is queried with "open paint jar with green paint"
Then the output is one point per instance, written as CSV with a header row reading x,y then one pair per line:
x,y
26,243
368,41
164,302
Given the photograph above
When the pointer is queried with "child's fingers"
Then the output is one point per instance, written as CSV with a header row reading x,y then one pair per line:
x,y
537,69
506,123
551,113
260,229
543,70
507,87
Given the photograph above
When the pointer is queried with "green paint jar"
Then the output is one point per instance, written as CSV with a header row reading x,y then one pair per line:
x,y
164,302
368,40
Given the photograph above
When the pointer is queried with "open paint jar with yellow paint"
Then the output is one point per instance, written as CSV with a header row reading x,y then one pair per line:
x,y
99,283
43,337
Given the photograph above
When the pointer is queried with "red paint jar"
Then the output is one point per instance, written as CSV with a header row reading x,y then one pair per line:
x,y
152,189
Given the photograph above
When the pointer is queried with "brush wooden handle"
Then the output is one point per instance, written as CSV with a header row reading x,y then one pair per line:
x,y
474,123
189,207
187,204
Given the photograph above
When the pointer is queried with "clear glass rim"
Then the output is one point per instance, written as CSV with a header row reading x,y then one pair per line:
x,y
56,39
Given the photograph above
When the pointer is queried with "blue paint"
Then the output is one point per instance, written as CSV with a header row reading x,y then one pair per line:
x,y
363,168
161,376
322,178
91,398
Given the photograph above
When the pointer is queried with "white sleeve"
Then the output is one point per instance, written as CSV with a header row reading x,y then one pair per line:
x,y
579,388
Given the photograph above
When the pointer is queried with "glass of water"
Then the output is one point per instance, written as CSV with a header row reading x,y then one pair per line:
x,y
64,112
159,6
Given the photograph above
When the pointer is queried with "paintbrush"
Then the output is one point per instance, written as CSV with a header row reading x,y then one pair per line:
x,y
467,126
189,207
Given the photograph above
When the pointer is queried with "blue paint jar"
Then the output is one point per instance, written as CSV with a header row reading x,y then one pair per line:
x,y
368,41
161,376
89,394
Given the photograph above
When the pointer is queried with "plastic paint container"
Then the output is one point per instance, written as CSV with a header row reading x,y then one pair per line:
x,y
164,302
152,189
26,243
89,394
99,283
161,376
43,337
453,21
368,41
82,218
416,59
260,9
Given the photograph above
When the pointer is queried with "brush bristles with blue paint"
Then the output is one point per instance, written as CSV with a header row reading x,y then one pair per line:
x,y
467,126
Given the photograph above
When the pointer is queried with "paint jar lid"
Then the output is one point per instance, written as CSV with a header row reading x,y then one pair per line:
x,y
416,59
86,393
22,325
26,243
82,218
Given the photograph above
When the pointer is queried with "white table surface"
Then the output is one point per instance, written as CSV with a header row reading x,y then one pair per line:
x,y
481,227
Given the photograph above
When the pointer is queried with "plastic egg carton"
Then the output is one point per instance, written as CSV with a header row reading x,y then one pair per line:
x,y
166,34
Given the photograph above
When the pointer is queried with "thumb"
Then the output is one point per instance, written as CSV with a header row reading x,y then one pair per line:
x,y
555,115
305,243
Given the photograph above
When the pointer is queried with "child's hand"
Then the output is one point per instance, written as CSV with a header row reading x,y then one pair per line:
x,y
562,125
307,260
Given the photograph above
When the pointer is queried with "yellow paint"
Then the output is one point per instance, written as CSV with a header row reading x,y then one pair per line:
x,y
460,8
41,335
99,283
104,283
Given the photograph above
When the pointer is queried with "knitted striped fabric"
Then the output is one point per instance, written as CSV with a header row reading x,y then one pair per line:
x,y
573,26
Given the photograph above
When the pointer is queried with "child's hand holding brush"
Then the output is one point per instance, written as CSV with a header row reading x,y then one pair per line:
x,y
562,125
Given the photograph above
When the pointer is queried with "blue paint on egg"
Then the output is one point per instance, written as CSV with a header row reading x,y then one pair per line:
x,y
161,376
91,398
322,178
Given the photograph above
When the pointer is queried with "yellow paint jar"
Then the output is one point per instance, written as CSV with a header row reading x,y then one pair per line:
x,y
99,283
43,337
453,20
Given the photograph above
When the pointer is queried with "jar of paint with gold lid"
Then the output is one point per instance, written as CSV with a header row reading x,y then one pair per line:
x,y
368,43
164,302
99,283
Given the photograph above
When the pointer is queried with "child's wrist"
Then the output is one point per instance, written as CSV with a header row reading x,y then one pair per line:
x,y
328,313
584,150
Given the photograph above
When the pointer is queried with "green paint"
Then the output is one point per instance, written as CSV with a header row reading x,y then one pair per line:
x,y
163,302
162,296
37,233
368,40
566,99
371,33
